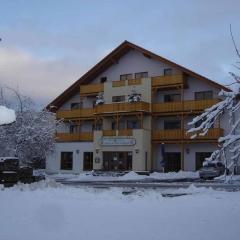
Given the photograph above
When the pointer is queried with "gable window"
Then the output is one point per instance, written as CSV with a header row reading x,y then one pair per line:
x,y
141,75
204,95
126,76
103,79
175,97
172,124
167,72
76,105
66,160
118,98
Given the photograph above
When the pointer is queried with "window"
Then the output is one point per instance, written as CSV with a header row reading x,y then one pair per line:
x,y
103,79
141,75
114,126
204,95
133,124
118,98
66,160
172,97
76,105
126,76
172,124
73,128
200,158
167,72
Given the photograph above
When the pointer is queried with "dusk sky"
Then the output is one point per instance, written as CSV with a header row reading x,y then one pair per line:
x,y
47,45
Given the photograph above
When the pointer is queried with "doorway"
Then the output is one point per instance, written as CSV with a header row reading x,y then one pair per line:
x,y
117,161
172,161
87,161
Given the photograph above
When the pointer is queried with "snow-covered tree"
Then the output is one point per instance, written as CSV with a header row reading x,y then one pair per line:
x,y
134,97
229,145
31,136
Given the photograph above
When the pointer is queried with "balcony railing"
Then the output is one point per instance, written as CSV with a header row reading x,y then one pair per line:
x,y
119,83
122,107
136,81
74,137
185,106
76,113
91,89
178,134
166,81
123,132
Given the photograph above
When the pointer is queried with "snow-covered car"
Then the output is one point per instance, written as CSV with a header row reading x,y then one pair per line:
x,y
211,170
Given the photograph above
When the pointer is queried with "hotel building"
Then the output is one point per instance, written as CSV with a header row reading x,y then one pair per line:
x,y
144,135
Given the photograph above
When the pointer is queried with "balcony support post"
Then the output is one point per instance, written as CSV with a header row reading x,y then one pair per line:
x,y
182,128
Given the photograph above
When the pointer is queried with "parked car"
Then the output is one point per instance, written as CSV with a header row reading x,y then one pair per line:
x,y
211,170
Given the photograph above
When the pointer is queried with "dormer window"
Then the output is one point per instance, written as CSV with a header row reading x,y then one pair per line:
x,y
141,75
167,72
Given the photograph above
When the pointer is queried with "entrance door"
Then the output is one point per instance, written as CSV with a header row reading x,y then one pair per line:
x,y
117,161
172,161
87,161
200,158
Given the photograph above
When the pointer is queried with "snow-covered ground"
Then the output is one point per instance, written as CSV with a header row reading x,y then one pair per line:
x,y
50,211
88,176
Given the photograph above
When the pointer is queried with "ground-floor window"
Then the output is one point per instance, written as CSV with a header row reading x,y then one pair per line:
x,y
200,158
66,160
172,161
88,161
117,161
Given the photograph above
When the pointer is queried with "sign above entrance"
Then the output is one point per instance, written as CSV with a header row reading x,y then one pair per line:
x,y
117,141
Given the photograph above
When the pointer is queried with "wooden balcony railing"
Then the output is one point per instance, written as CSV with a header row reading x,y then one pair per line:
x,y
177,134
185,106
136,81
91,89
122,132
109,133
164,81
74,137
119,83
122,107
76,113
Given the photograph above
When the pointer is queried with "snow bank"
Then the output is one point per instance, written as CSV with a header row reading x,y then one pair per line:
x,y
6,115
127,177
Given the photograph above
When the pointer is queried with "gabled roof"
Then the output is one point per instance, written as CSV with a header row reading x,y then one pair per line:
x,y
112,58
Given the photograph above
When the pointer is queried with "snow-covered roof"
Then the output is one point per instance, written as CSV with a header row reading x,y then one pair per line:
x,y
6,115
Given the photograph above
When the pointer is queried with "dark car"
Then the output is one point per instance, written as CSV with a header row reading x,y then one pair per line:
x,y
211,170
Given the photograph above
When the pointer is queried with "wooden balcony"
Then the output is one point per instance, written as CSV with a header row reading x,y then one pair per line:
x,y
74,137
168,81
178,135
123,132
91,89
122,107
136,81
119,83
185,106
76,113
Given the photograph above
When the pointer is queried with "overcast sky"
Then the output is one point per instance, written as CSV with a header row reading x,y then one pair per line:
x,y
47,45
